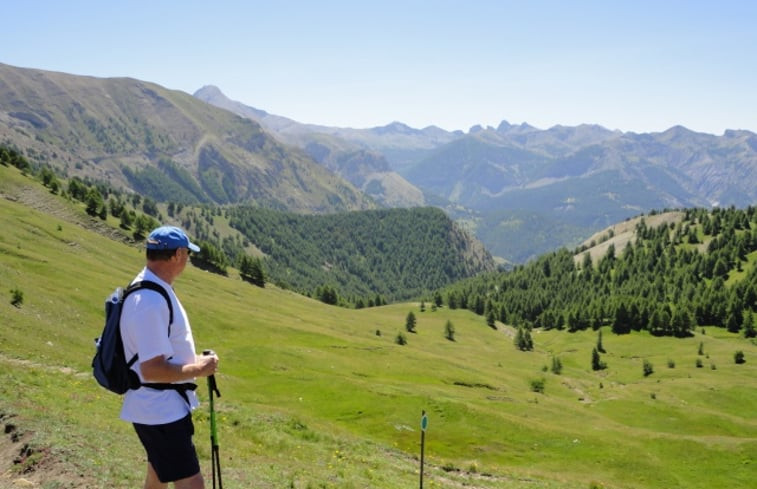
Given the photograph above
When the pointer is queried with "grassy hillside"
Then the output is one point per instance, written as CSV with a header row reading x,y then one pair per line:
x,y
162,143
314,397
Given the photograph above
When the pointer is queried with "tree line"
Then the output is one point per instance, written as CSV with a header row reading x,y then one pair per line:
x,y
669,280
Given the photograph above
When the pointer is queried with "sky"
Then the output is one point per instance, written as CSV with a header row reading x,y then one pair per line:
x,y
635,65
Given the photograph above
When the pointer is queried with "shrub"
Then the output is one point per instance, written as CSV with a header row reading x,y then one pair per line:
x,y
400,339
648,368
738,357
699,363
449,331
556,366
671,364
537,385
17,297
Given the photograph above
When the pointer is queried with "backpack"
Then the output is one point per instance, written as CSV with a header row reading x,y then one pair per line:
x,y
109,365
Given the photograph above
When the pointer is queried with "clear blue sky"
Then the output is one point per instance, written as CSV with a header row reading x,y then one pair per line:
x,y
635,65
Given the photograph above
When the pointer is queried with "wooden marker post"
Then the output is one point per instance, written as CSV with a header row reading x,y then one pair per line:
x,y
424,425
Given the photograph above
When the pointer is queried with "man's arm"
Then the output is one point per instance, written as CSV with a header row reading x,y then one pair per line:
x,y
160,370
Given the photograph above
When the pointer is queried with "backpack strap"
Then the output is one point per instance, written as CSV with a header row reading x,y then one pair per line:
x,y
181,388
148,284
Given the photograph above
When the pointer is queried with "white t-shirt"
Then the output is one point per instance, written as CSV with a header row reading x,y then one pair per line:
x,y
144,330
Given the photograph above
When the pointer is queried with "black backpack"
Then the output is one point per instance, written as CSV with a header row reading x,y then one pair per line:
x,y
109,365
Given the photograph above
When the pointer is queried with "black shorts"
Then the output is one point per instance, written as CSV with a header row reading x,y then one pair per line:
x,y
170,449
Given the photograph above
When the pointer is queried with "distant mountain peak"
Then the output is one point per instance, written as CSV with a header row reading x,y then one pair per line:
x,y
503,126
209,90
213,95
395,128
678,129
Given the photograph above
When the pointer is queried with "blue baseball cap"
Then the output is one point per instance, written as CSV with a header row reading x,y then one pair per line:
x,y
169,238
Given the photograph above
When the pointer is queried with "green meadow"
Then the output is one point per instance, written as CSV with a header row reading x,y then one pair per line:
x,y
315,396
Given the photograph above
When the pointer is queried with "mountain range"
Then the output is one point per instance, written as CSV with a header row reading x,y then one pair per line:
x,y
525,190
522,190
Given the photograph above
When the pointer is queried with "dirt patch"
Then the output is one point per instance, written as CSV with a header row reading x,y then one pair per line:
x,y
25,464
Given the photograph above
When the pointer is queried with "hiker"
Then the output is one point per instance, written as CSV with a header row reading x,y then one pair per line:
x,y
166,353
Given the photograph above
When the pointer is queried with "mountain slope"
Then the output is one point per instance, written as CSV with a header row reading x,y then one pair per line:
x,y
366,169
184,148
319,396
665,274
396,254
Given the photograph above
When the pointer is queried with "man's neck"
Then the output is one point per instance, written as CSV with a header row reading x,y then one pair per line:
x,y
163,270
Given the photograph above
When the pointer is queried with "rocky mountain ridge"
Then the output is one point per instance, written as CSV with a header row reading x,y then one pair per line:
x,y
509,181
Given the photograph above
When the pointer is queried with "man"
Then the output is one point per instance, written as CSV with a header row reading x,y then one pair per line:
x,y
162,418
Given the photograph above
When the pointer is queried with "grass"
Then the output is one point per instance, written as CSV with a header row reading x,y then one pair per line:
x,y
313,398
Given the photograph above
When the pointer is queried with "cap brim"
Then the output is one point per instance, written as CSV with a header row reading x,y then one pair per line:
x,y
194,247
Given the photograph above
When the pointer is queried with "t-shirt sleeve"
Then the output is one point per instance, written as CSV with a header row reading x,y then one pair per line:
x,y
146,316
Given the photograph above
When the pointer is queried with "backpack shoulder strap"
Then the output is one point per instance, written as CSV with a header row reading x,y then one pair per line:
x,y
148,284
180,388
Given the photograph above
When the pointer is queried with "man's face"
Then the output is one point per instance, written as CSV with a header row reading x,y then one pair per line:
x,y
182,256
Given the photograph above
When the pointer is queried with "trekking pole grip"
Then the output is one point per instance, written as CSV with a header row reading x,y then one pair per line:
x,y
212,378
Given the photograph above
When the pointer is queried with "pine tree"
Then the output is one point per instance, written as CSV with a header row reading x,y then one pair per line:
x,y
596,361
251,270
126,220
94,201
622,322
600,347
748,326
556,366
410,322
449,331
523,340
490,320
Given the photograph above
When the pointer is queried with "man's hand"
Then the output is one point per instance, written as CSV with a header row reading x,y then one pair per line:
x,y
208,365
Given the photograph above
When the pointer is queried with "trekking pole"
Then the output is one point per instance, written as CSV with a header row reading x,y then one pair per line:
x,y
215,455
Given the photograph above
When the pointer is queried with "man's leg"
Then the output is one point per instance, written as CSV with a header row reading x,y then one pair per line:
x,y
194,482
170,449
152,481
